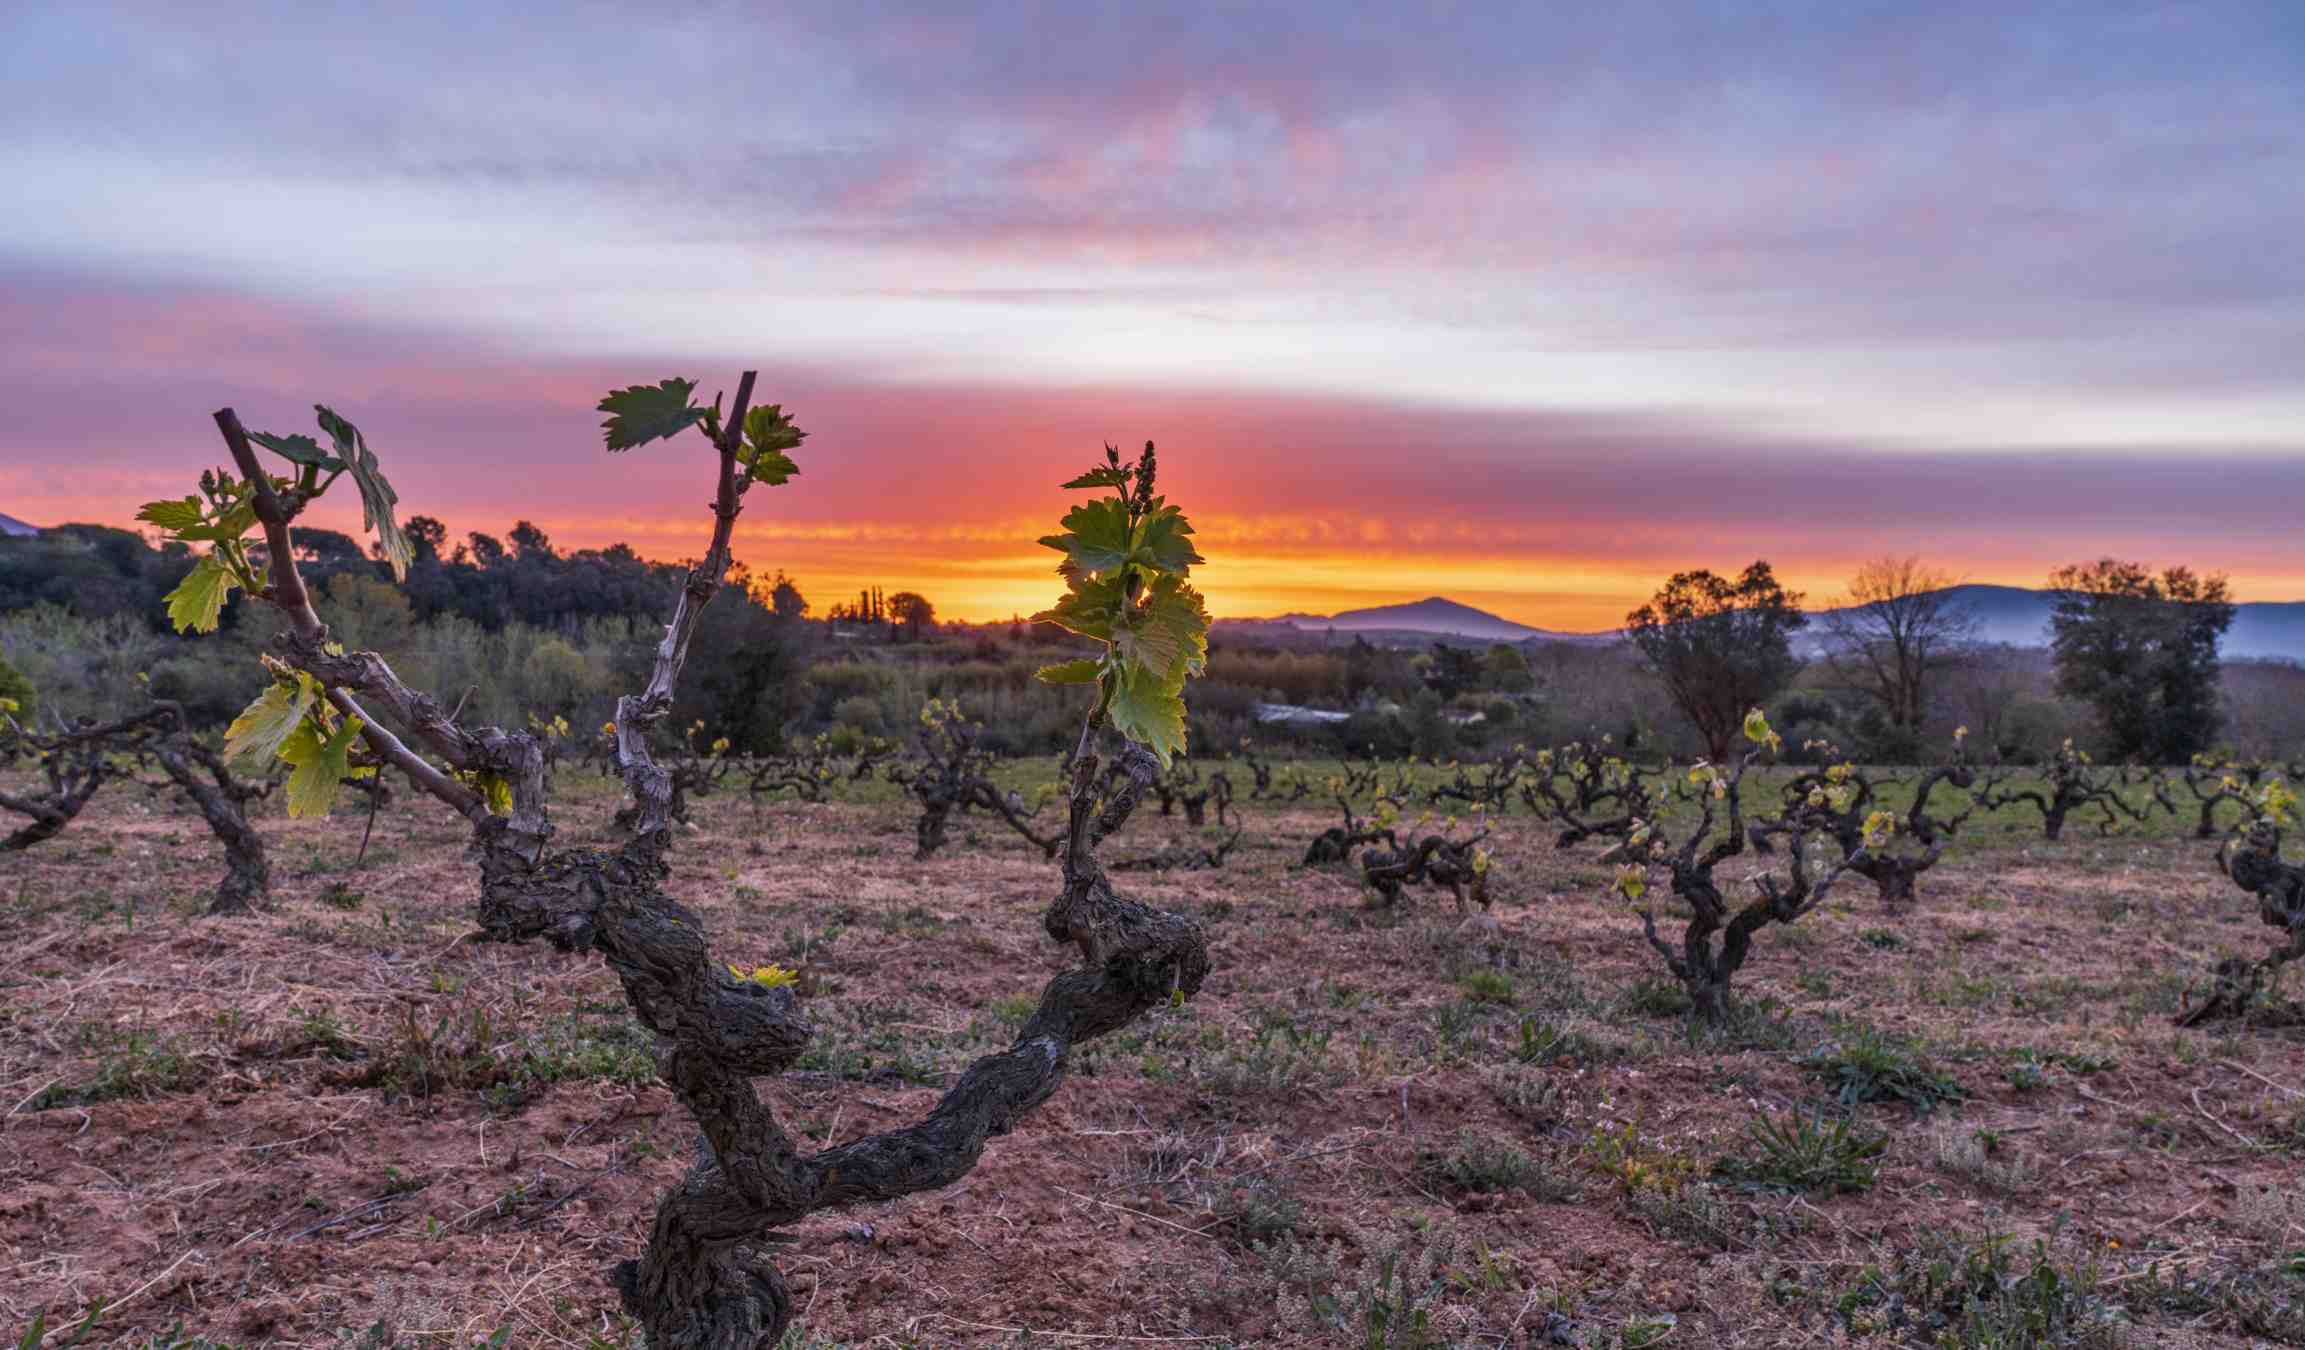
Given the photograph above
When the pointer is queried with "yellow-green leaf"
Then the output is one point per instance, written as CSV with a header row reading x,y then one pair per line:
x,y
1149,711
263,727
322,763
198,600
173,516
1088,608
1096,538
1083,671
1168,634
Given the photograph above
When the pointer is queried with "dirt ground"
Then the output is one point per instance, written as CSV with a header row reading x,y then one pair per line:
x,y
344,1124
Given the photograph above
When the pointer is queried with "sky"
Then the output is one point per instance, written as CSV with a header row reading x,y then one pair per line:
x,y
1525,305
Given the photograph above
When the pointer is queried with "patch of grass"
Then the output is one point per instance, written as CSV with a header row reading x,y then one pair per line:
x,y
1546,1042
1482,1166
1805,1151
1983,1158
1488,986
1281,1056
1634,1162
130,1062
337,895
1980,1294
1863,1064
1652,997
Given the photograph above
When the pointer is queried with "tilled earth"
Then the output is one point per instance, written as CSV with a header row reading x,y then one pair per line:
x,y
342,1123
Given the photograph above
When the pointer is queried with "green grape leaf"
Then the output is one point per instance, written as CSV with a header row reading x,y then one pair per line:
x,y
647,412
233,523
773,467
1096,538
173,516
770,428
1162,542
297,449
1083,671
1167,635
322,763
256,735
1149,711
1102,476
1088,607
198,600
376,495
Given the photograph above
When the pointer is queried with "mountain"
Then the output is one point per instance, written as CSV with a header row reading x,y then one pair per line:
x,y
1434,616
2020,618
2004,614
12,528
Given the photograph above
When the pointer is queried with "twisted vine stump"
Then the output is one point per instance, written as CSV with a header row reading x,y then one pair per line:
x,y
222,798
951,775
2254,863
705,1280
1718,938
1889,849
1337,843
1461,865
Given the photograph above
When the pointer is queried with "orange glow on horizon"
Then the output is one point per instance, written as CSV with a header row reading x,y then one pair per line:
x,y
989,570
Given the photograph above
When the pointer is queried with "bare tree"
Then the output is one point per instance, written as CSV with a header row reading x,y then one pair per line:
x,y
1901,626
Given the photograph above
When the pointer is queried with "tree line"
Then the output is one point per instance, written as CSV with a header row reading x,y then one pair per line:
x,y
2138,648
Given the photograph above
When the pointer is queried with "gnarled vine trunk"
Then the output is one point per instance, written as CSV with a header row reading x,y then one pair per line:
x,y
704,1281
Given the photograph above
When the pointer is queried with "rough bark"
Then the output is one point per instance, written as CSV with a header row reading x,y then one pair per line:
x,y
1718,939
221,798
1436,860
2255,865
1336,843
75,763
705,1280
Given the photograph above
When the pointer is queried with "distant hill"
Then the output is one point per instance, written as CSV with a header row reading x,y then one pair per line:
x,y
1413,624
2005,614
2020,618
1435,616
13,528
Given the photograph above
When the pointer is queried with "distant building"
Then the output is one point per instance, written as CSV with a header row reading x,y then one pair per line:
x,y
1291,713
12,528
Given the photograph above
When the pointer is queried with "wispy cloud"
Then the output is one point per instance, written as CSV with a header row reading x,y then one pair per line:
x,y
1497,282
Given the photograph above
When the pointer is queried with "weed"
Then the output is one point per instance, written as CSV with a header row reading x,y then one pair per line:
x,y
1983,1158
1483,1166
1488,986
1804,1151
1863,1065
1978,1294
130,1063
337,895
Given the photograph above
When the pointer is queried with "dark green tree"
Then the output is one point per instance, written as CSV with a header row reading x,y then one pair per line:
x,y
1721,647
2141,650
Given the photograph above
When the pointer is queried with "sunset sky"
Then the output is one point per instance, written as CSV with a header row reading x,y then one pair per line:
x,y
1527,305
